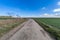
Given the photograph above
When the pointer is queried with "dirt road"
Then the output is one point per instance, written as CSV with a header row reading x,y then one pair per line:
x,y
31,31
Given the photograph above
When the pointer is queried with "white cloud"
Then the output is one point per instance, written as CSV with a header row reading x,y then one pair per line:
x,y
58,3
56,14
45,15
50,15
43,7
56,10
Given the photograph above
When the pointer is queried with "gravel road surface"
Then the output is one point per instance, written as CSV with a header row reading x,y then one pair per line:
x,y
31,31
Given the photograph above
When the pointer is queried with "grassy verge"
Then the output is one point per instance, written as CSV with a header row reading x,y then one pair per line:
x,y
52,30
8,24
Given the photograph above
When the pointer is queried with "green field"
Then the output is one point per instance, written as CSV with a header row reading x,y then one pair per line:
x,y
52,25
55,22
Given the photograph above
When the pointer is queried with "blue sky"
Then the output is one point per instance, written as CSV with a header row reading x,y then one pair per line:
x,y
30,8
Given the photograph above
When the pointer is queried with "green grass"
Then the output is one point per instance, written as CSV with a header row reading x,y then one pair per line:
x,y
55,22
51,25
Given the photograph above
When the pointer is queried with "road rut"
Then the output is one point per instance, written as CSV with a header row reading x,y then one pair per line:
x,y
31,31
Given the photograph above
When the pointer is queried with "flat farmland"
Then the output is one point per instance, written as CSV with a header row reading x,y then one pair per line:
x,y
7,24
55,22
52,25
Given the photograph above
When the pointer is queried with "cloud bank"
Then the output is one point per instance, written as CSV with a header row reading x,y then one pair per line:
x,y
56,10
58,3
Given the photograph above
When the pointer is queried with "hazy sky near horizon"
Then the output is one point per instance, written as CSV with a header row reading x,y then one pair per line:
x,y
30,8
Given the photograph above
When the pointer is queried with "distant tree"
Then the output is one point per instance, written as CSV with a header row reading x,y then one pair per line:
x,y
18,16
11,14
